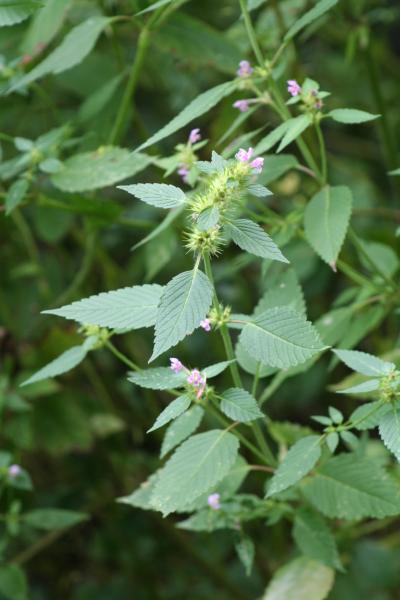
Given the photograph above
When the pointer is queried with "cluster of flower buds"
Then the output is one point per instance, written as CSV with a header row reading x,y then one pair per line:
x,y
184,168
196,380
309,94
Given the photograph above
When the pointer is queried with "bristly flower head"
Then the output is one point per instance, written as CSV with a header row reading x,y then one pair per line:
x,y
14,470
245,69
244,156
242,105
194,136
293,87
213,501
176,365
205,324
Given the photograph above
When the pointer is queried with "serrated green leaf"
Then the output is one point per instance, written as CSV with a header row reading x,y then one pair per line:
x,y
287,292
301,579
67,361
332,441
239,405
352,487
369,415
364,363
156,194
198,464
15,11
208,218
317,11
362,388
326,219
280,337
181,428
184,303
251,237
16,194
299,461
171,412
314,538
53,518
351,115
103,167
389,430
73,49
160,378
214,370
202,104
295,127
126,308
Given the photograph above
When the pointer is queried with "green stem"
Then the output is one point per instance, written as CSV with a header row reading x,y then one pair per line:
x,y
322,148
273,386
121,356
226,338
127,98
251,33
256,380
354,276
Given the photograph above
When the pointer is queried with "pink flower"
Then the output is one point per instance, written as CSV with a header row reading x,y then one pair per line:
x,y
194,136
245,69
176,365
205,324
294,88
257,164
195,378
14,471
213,501
244,155
242,105
183,172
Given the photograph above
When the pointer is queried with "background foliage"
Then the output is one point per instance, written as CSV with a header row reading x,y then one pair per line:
x,y
84,83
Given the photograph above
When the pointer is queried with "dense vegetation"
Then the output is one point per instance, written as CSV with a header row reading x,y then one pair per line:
x,y
210,187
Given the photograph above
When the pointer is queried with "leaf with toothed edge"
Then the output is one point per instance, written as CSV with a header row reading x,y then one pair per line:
x,y
196,466
389,430
326,220
251,237
181,428
280,337
126,308
184,303
160,195
172,411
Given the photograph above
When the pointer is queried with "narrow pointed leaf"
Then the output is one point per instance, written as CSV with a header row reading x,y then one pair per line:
x,y
295,128
351,115
364,363
184,303
160,378
172,411
309,17
214,370
251,237
367,386
202,104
